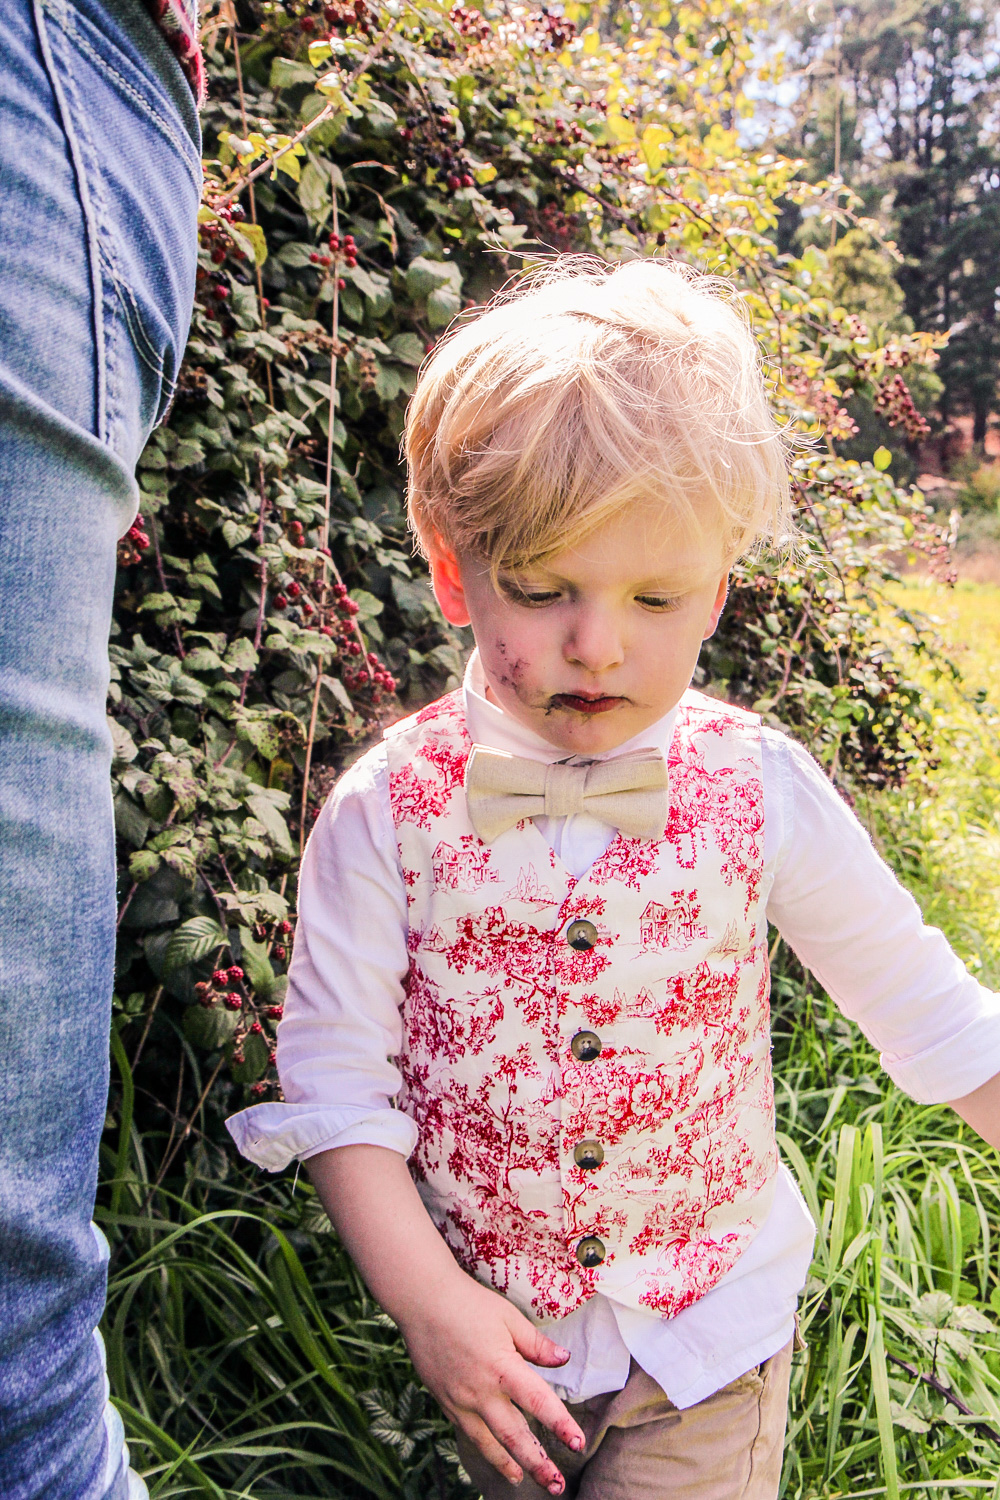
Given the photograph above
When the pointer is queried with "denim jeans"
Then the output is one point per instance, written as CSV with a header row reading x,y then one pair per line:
x,y
99,188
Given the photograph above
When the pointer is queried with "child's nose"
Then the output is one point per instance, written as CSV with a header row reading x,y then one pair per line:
x,y
595,642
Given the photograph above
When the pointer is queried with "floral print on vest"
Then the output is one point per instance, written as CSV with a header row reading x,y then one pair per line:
x,y
673,1117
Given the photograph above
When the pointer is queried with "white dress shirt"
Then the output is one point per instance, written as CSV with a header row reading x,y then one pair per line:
x,y
834,901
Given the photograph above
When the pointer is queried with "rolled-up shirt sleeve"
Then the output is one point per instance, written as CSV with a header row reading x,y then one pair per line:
x,y
342,1027
847,918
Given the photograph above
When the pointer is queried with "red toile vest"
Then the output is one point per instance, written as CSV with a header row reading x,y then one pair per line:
x,y
588,1060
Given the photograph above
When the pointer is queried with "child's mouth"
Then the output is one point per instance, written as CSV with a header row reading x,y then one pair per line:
x,y
581,703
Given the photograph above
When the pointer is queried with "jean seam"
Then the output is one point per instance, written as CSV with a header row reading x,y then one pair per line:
x,y
178,140
91,228
133,317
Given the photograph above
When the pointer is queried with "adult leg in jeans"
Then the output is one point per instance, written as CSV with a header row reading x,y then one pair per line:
x,y
99,186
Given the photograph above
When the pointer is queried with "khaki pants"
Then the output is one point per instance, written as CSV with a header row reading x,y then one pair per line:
x,y
640,1447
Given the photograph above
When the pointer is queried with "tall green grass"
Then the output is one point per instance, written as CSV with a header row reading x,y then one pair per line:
x,y
247,1359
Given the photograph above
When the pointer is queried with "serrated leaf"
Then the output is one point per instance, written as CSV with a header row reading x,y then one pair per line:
x,y
254,1065
143,864
259,971
264,809
442,305
193,939
209,1027
240,655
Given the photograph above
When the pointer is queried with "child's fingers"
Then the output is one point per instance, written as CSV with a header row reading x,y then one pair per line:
x,y
477,1432
518,1442
533,1344
531,1393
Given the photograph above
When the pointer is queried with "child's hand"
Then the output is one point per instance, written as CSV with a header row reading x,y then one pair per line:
x,y
470,1348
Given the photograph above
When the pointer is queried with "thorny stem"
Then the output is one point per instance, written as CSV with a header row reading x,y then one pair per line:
x,y
145,1030
188,1127
253,205
126,904
983,1428
155,530
259,628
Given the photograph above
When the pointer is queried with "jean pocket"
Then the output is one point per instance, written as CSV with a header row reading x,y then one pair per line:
x,y
139,180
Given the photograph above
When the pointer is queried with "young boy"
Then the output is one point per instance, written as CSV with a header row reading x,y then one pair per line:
x,y
526,1050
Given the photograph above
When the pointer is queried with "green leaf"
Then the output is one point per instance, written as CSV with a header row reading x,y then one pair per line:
x,y
143,864
442,305
424,276
209,1027
241,656
259,972
192,940
255,1053
285,73
264,810
252,240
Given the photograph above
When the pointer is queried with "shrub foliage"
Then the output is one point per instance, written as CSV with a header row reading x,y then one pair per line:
x,y
372,172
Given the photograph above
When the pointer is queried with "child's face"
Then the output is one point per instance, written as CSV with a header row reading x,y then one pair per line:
x,y
599,642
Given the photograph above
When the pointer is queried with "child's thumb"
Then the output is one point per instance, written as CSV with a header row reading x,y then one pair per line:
x,y
536,1347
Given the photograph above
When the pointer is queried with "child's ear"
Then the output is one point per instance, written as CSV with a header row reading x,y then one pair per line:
x,y
717,607
446,580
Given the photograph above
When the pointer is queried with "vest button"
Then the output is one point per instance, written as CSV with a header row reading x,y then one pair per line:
x,y
582,936
588,1155
590,1252
585,1046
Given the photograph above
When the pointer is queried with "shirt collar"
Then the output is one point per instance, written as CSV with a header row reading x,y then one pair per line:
x,y
491,725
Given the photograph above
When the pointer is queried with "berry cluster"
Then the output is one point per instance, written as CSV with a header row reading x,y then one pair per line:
x,y
332,612
132,545
343,251
469,23
338,14
557,31
554,227
432,148
894,402
836,419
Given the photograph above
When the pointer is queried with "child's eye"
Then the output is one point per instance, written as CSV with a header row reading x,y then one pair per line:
x,y
663,603
527,595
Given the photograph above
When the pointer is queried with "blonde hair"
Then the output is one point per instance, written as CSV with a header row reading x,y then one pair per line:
x,y
587,388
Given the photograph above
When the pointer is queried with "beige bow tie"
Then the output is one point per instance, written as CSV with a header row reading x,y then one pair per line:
x,y
629,793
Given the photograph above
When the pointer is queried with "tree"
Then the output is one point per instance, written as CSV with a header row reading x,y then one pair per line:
x,y
914,90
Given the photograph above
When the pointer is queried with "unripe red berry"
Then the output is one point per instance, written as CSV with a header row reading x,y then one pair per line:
x,y
314,257
221,976
341,283
234,974
222,292
272,1058
233,1001
238,1058
279,951
348,242
257,1029
453,181
308,24
325,630
334,242
466,180
280,602
285,927
258,1088
294,589
275,1012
